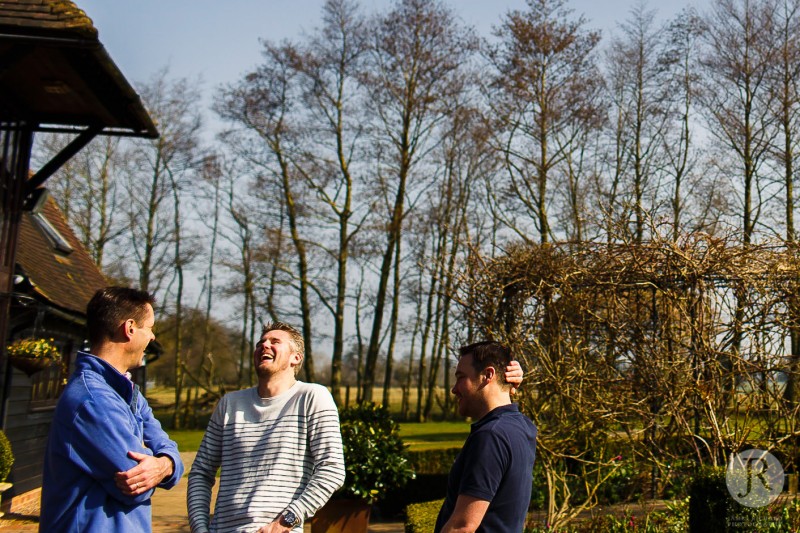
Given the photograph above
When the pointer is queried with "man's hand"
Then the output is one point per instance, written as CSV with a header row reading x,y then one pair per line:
x,y
145,476
274,527
514,375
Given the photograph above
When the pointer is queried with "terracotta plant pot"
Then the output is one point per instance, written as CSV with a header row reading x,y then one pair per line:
x,y
342,516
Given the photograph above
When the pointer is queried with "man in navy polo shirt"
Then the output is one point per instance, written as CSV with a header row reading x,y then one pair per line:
x,y
489,486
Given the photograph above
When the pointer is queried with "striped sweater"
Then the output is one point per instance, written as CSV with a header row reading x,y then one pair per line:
x,y
274,453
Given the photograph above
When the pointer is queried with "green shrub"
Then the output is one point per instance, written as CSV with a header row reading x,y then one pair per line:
x,y
539,488
423,488
6,456
787,519
675,519
677,478
539,528
374,454
712,509
421,517
433,468
624,484
672,520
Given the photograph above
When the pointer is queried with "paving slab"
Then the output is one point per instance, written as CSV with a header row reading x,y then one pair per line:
x,y
169,511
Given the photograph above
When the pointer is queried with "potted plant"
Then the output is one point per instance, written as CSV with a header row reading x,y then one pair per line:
x,y
375,462
33,355
6,461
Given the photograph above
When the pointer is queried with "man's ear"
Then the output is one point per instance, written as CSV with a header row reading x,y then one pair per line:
x,y
297,359
488,375
128,328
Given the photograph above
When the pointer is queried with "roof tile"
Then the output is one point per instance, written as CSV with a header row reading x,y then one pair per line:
x,y
61,17
68,281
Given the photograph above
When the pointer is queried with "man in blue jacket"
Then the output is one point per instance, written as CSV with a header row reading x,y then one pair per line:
x,y
106,452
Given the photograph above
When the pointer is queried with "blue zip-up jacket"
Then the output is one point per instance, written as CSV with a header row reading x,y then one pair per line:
x,y
99,418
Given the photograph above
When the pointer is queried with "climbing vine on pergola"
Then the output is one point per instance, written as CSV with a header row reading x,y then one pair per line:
x,y
654,352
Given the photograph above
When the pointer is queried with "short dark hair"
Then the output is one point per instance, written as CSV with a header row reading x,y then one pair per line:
x,y
110,306
489,353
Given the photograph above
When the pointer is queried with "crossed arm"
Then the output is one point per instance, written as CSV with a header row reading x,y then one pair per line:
x,y
150,470
103,447
146,475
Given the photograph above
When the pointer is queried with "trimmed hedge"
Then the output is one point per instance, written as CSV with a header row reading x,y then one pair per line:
x,y
425,487
433,461
432,468
712,509
421,517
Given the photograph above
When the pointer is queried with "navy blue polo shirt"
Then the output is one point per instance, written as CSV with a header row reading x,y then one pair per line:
x,y
496,465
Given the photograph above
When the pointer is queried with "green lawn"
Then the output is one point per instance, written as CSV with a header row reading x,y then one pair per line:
x,y
424,436
434,435
188,439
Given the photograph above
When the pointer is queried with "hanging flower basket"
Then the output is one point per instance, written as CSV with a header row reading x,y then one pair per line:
x,y
32,355
30,366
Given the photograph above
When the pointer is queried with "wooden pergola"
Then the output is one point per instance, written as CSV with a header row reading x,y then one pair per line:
x,y
55,76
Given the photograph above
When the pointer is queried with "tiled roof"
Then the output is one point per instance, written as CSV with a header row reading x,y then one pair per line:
x,y
52,17
66,280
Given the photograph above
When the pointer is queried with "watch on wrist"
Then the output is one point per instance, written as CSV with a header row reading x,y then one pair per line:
x,y
289,519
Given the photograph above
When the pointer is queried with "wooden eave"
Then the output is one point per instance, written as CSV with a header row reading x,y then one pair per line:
x,y
55,75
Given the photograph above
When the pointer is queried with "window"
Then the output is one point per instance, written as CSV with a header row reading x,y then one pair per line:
x,y
46,387
58,241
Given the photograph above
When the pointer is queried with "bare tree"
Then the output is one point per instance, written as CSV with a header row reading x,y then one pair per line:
x,y
466,158
86,188
263,104
418,50
150,208
162,174
641,92
681,61
181,258
785,78
737,62
329,68
241,260
212,178
546,79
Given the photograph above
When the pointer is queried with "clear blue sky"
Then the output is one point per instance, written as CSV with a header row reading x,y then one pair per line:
x,y
219,39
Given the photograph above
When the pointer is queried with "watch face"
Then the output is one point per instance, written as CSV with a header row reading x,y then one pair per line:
x,y
290,518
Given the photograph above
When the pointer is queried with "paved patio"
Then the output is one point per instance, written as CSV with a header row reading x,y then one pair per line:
x,y
169,511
